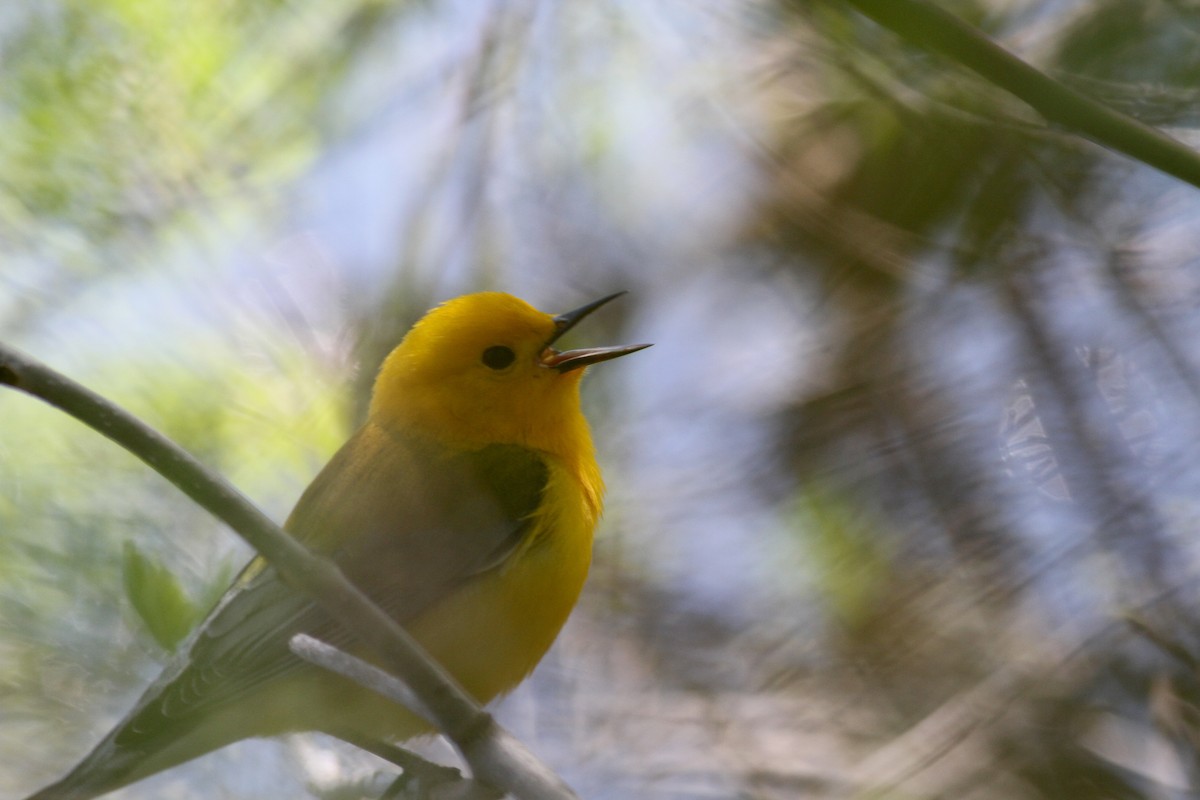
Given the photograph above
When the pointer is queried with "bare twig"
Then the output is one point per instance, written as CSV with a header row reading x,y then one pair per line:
x,y
366,675
1171,647
416,769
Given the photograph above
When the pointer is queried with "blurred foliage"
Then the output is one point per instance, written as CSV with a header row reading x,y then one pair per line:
x,y
917,438
979,261
122,119
847,556
121,113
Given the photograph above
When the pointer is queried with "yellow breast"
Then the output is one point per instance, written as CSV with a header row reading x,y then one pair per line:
x,y
491,633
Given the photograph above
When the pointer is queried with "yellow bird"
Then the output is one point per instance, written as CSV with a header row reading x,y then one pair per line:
x,y
464,507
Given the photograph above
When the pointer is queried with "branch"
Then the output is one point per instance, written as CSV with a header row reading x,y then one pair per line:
x,y
328,657
931,28
504,750
1170,646
495,756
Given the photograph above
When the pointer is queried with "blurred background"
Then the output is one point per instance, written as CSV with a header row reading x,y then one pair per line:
x,y
903,502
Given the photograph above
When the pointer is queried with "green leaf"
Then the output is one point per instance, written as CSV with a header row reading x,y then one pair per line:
x,y
158,598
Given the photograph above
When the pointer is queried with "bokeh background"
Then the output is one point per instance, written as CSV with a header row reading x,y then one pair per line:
x,y
902,504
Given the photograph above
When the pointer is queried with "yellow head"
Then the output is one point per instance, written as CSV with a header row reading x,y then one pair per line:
x,y
481,369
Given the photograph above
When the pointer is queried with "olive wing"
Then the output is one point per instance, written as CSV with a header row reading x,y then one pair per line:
x,y
407,521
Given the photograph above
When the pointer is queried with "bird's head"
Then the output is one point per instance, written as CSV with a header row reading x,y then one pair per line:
x,y
482,369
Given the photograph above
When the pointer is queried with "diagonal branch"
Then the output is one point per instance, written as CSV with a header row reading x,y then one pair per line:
x,y
495,756
368,675
931,28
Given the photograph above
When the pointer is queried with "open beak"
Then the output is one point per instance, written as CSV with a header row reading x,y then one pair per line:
x,y
575,359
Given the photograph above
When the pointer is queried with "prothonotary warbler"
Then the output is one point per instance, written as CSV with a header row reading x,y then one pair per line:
x,y
464,507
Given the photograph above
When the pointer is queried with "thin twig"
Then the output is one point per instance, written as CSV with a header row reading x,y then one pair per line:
x,y
417,770
366,675
1173,648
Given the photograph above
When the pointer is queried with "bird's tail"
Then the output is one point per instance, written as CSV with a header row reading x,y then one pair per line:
x,y
119,760
102,771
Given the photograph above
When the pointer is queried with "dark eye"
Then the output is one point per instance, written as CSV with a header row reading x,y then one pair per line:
x,y
498,357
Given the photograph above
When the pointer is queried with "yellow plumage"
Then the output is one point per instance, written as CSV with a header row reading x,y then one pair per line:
x,y
464,507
